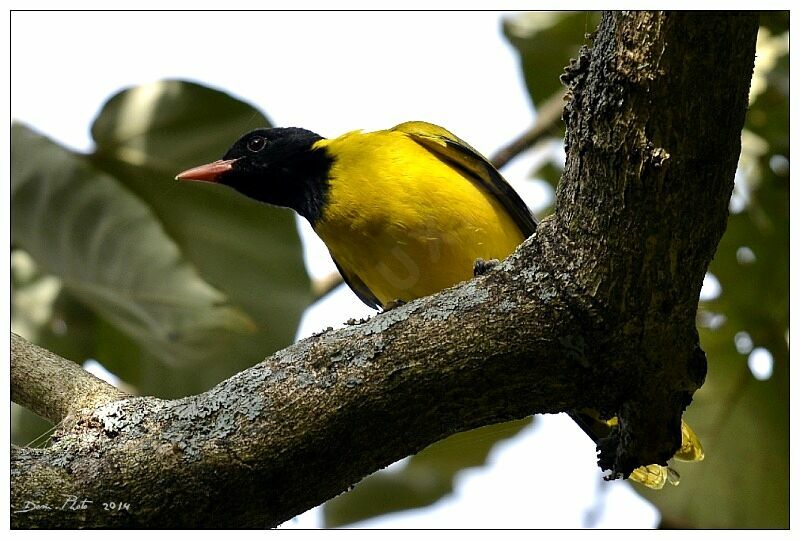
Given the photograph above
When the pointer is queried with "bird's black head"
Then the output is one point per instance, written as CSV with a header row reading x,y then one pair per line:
x,y
278,166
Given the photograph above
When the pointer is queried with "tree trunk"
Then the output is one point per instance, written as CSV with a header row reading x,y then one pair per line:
x,y
596,309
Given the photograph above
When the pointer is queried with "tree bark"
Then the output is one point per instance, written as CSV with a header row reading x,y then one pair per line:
x,y
596,309
51,386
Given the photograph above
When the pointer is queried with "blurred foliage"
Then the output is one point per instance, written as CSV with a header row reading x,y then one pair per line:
x,y
28,429
112,254
170,286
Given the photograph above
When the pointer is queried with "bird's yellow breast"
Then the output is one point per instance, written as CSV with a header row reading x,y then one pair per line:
x,y
403,221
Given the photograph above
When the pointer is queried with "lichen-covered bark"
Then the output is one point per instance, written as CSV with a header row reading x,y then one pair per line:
x,y
595,310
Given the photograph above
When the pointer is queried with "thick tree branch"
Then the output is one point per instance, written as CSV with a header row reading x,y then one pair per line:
x,y
51,386
595,310
653,138
315,418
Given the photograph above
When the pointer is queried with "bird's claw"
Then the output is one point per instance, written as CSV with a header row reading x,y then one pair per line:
x,y
393,304
481,266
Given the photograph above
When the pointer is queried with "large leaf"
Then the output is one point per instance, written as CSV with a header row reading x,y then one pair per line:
x,y
171,123
248,250
44,312
110,251
427,477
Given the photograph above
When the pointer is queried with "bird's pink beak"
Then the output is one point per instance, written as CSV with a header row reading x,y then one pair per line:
x,y
209,172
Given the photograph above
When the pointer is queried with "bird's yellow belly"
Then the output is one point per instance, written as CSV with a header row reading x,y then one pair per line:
x,y
401,264
414,226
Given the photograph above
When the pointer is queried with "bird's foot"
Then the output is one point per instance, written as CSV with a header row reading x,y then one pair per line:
x,y
481,266
393,304
354,322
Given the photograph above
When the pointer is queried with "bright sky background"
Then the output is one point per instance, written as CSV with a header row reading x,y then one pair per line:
x,y
333,72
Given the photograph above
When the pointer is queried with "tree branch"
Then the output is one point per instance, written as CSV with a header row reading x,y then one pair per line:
x,y
548,116
315,418
596,309
51,386
654,120
320,288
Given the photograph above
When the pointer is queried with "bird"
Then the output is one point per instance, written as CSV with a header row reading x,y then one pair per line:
x,y
404,212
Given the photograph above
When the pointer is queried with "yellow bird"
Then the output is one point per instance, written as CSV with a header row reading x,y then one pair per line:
x,y
405,212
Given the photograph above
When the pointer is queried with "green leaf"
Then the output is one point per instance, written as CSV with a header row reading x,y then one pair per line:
x,y
546,42
168,125
776,21
110,251
248,250
34,297
426,478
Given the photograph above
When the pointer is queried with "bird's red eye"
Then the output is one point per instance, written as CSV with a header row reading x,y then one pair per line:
x,y
256,144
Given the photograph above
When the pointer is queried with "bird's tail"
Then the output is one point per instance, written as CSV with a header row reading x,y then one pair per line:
x,y
653,476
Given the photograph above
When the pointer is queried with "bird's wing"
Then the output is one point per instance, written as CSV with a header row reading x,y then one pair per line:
x,y
358,287
461,156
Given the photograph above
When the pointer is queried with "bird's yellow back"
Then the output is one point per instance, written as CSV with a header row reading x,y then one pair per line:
x,y
403,221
